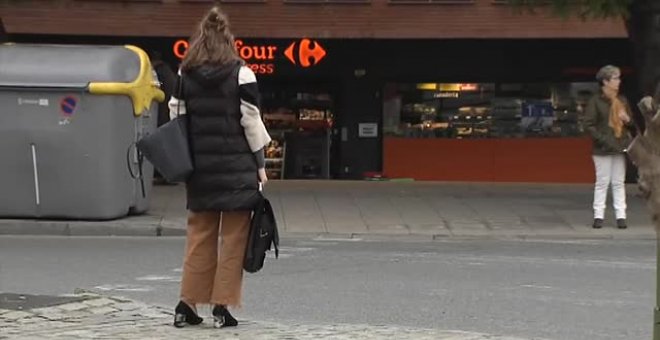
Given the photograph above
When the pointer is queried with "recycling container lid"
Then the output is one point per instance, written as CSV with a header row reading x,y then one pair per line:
x,y
100,70
37,65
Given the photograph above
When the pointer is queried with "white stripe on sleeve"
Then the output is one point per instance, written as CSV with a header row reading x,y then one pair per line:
x,y
175,105
246,76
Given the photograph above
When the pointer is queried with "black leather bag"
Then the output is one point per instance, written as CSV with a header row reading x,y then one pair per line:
x,y
263,234
168,148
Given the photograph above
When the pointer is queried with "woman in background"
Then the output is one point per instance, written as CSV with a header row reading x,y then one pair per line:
x,y
607,119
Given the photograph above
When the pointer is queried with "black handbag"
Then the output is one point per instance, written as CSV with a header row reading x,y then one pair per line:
x,y
168,148
263,233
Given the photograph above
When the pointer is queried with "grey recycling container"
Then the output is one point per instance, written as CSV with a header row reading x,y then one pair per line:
x,y
69,120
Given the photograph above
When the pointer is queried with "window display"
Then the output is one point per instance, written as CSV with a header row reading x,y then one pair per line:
x,y
485,110
275,156
290,118
278,121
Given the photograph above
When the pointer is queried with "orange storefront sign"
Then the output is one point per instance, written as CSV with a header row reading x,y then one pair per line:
x,y
306,49
261,58
180,48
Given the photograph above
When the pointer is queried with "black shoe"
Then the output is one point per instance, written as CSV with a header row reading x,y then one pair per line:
x,y
621,223
222,317
598,223
184,315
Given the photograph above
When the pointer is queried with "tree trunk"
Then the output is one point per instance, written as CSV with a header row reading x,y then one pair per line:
x,y
644,29
645,153
3,33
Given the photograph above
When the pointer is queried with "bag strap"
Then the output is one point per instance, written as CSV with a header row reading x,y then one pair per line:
x,y
271,217
276,242
179,94
257,213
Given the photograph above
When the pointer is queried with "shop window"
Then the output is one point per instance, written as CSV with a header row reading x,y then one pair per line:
x,y
485,110
300,124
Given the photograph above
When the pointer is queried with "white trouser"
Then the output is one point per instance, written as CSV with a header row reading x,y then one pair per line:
x,y
610,169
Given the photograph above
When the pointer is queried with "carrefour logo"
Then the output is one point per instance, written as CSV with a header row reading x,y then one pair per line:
x,y
310,53
304,53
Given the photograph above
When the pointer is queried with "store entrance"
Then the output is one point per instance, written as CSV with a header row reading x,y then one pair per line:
x,y
300,116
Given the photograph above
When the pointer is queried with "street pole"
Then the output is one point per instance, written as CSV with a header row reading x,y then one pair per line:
x,y
656,311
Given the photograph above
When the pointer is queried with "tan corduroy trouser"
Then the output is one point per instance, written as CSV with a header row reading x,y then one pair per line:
x,y
213,268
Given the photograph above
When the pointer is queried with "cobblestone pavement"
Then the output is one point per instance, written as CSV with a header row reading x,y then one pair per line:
x,y
102,317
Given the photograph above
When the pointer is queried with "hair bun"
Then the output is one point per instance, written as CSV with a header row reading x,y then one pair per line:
x,y
216,21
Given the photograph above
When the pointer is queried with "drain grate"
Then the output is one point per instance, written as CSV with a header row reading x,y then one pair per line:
x,y
26,301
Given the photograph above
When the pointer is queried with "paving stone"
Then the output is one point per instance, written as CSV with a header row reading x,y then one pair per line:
x,y
73,306
47,310
389,229
99,302
27,320
128,306
466,224
78,333
102,310
15,315
142,321
58,324
54,316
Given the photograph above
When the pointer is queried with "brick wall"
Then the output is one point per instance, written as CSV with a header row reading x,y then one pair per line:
x,y
278,19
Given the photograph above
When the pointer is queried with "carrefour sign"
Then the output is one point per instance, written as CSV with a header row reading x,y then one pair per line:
x,y
261,58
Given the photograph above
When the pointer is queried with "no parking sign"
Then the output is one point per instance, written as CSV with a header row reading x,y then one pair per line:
x,y
68,106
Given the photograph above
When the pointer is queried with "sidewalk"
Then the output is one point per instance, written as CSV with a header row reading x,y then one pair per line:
x,y
92,316
374,210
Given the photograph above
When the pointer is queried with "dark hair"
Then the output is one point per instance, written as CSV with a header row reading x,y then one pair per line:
x,y
212,43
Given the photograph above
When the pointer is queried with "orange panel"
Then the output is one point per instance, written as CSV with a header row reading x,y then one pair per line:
x,y
550,160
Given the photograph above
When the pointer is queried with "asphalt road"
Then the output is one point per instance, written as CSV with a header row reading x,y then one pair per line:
x,y
563,290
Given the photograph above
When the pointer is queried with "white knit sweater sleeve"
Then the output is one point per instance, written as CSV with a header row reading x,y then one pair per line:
x,y
253,125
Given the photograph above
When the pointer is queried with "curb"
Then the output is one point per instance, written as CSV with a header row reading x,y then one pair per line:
x,y
142,229
81,228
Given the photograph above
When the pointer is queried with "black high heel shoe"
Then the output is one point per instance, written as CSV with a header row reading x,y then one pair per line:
x,y
184,315
222,317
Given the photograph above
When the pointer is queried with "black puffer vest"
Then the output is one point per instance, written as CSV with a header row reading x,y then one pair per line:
x,y
225,176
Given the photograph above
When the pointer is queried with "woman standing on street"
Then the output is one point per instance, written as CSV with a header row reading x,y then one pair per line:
x,y
607,119
227,138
